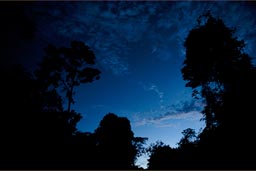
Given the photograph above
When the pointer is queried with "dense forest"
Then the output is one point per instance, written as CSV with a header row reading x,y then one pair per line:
x,y
38,132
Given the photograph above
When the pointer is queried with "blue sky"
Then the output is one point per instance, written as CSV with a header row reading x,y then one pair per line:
x,y
139,50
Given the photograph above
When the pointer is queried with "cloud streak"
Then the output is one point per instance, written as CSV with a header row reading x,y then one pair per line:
x,y
158,92
184,110
154,88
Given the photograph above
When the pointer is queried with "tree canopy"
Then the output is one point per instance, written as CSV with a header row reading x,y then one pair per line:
x,y
67,68
28,123
118,148
33,114
222,75
217,68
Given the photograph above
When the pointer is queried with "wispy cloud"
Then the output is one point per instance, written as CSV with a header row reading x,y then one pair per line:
x,y
184,110
154,88
115,64
158,92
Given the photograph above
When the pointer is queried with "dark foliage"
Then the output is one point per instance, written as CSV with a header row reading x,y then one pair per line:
x,y
66,68
116,143
37,133
221,74
162,156
215,62
34,128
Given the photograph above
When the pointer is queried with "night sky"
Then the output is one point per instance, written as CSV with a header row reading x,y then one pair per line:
x,y
139,50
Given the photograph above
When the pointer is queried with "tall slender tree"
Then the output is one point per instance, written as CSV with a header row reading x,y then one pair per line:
x,y
67,68
217,68
215,64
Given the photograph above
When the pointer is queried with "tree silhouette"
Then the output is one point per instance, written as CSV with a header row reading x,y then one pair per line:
x,y
217,68
214,62
163,157
64,69
35,130
222,74
116,143
188,136
67,68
